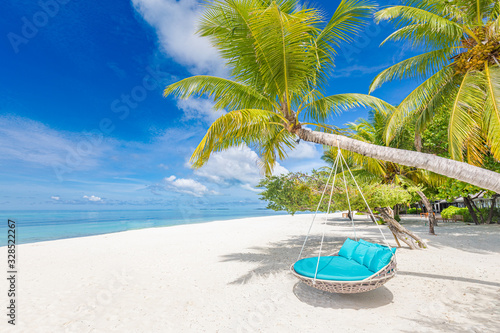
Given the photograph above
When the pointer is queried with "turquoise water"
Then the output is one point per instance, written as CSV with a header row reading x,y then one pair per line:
x,y
37,226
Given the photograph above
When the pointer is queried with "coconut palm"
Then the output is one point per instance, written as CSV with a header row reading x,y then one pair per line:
x,y
279,55
460,67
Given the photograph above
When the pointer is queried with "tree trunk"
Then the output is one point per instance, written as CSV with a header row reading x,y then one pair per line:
x,y
468,173
418,142
428,206
403,234
467,201
474,206
396,210
492,209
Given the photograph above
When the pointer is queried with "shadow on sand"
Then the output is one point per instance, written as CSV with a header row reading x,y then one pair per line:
x,y
317,298
452,278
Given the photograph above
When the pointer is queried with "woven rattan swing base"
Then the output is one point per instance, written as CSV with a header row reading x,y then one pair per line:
x,y
351,287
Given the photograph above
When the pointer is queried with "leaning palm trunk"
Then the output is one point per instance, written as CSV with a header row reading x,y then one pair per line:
x,y
400,232
462,171
430,211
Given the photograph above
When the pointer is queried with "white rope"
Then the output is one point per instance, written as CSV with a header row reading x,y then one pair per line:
x,y
326,216
369,209
334,166
348,200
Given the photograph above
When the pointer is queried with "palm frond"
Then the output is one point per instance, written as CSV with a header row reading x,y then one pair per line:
x,y
281,38
495,11
234,128
423,36
421,98
491,117
227,94
348,19
408,15
273,146
420,67
468,101
321,109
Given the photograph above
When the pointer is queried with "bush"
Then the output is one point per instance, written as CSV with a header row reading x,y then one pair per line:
x,y
448,212
359,213
484,212
414,210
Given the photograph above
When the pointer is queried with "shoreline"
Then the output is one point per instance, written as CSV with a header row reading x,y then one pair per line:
x,y
55,225
233,275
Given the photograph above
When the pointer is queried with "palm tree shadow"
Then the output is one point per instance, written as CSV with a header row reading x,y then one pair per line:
x,y
452,278
277,257
367,300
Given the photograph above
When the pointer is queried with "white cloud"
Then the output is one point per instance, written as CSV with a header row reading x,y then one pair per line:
x,y
250,188
235,165
304,150
198,108
176,23
188,186
357,69
55,198
33,142
92,198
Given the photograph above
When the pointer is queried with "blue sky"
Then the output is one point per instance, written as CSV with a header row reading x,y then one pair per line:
x,y
83,122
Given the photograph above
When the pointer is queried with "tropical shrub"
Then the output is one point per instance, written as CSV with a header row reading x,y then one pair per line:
x,y
448,212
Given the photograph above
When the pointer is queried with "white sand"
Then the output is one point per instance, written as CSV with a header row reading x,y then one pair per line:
x,y
232,276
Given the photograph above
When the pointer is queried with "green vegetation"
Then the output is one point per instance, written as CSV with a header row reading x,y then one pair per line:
x,y
414,211
295,192
449,212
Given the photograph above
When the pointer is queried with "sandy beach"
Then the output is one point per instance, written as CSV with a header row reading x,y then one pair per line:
x,y
232,276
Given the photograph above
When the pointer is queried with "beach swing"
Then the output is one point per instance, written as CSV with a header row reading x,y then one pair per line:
x,y
358,266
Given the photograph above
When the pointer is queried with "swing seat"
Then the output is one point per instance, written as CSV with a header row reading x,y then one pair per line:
x,y
335,268
357,267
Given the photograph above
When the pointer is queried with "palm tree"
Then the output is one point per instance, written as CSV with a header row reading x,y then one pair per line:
x,y
386,172
460,67
279,55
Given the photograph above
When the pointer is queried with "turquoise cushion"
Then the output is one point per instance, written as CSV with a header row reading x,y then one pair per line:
x,y
362,241
372,251
381,259
348,248
334,268
360,252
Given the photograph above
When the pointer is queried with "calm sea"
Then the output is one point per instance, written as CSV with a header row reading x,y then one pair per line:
x,y
37,226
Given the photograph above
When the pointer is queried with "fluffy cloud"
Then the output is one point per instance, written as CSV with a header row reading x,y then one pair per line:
x,y
175,23
55,198
304,150
92,198
235,165
197,108
188,186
